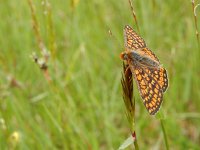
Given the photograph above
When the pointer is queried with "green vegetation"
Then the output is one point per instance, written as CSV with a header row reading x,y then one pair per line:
x,y
78,103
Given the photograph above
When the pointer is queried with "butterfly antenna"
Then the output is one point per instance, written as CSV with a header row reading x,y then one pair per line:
x,y
134,15
114,37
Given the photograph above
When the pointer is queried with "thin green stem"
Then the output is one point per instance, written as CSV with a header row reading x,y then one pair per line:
x,y
195,21
164,133
134,15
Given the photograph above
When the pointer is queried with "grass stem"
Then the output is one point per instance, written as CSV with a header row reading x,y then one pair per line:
x,y
134,15
194,7
164,133
129,101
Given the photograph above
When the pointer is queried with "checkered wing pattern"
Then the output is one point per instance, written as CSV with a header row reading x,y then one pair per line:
x,y
149,88
160,75
132,39
152,81
134,42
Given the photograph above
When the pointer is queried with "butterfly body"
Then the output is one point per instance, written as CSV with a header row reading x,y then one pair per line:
x,y
139,59
150,76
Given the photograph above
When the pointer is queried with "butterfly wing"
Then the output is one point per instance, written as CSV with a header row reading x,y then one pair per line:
x,y
147,52
150,89
160,75
132,39
152,80
135,42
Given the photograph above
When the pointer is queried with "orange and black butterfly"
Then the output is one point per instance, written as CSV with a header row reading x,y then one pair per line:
x,y
149,74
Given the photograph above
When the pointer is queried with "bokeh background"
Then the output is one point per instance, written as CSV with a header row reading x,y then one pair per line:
x,y
77,102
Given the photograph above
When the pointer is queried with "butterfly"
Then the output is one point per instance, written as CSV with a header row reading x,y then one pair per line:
x,y
150,76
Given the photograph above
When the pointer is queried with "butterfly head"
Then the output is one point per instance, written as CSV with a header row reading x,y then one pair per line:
x,y
124,56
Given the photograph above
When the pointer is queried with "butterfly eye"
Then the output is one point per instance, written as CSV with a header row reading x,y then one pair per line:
x,y
123,56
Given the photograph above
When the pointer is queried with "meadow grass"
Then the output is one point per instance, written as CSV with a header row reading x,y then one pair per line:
x,y
81,105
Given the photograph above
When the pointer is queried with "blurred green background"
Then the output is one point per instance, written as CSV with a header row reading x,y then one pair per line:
x,y
78,103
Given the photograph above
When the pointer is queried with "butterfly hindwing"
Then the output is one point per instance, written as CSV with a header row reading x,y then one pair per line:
x,y
150,90
147,52
160,75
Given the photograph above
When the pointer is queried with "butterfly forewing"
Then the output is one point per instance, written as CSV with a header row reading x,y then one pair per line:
x,y
132,39
134,42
